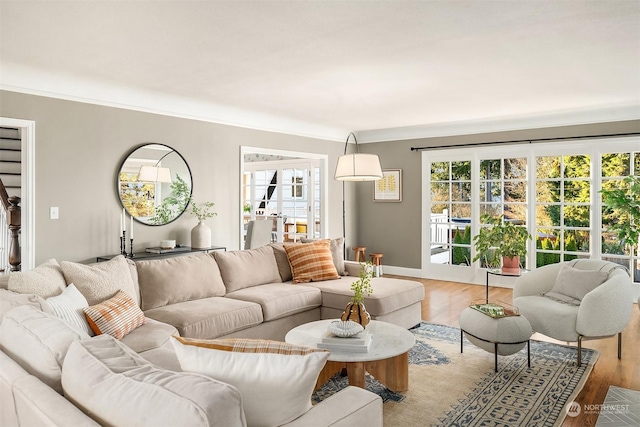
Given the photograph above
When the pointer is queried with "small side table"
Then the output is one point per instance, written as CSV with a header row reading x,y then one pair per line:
x,y
359,250
499,272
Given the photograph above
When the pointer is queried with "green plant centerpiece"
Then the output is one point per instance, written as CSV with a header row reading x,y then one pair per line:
x,y
355,310
501,238
624,205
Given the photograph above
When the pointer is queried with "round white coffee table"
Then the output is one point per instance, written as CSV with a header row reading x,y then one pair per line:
x,y
387,359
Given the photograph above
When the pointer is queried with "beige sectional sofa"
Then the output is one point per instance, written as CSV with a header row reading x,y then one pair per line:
x,y
224,294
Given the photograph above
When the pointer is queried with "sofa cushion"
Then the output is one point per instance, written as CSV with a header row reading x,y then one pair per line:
x,y
178,279
282,261
10,300
101,281
550,318
572,284
151,335
337,253
388,294
253,267
280,299
116,316
276,379
311,262
38,342
68,307
208,317
45,280
116,387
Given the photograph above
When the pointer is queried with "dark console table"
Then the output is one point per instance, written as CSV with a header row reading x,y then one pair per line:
x,y
178,251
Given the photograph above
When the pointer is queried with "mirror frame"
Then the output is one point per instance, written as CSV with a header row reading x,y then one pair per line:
x,y
119,171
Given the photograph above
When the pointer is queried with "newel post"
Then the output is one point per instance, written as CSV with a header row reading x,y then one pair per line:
x,y
14,220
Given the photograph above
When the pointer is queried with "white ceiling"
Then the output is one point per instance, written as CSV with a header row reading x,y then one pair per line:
x,y
325,68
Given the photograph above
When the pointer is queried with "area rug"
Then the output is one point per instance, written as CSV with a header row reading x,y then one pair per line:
x,y
449,388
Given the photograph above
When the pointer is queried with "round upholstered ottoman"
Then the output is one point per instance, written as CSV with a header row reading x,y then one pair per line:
x,y
502,336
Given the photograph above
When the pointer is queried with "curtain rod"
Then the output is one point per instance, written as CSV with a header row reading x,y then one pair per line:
x,y
523,141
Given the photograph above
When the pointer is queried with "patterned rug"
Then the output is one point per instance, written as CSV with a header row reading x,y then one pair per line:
x,y
447,388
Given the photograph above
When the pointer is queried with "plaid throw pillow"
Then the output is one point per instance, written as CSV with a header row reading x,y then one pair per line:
x,y
245,345
116,316
311,262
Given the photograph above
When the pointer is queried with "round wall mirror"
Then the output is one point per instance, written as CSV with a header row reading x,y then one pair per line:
x,y
154,184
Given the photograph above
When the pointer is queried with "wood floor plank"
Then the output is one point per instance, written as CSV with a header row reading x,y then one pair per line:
x,y
445,300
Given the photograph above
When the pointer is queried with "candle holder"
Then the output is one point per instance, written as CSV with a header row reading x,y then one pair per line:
x,y
123,243
131,255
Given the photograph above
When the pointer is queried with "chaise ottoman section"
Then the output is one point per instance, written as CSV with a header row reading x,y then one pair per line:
x,y
208,317
280,299
395,301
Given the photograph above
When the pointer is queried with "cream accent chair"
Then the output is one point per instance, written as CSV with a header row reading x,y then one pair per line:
x,y
603,312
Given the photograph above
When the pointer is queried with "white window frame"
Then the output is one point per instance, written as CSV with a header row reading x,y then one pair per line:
x,y
474,274
306,160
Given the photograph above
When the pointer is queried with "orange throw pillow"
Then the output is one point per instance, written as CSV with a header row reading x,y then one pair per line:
x,y
116,316
311,262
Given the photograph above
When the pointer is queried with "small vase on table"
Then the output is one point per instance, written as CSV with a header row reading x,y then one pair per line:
x,y
201,236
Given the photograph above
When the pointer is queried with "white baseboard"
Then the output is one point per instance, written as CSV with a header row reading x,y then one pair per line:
x,y
402,271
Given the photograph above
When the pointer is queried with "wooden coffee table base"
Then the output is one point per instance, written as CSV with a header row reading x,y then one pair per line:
x,y
393,372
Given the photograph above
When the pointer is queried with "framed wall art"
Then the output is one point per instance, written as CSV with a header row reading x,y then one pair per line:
x,y
389,188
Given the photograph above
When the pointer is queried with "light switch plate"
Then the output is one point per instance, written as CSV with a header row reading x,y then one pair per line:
x,y
53,212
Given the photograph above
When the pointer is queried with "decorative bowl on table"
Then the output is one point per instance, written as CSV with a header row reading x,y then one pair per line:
x,y
345,329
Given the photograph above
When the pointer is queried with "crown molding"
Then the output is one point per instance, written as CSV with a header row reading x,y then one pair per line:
x,y
614,113
33,81
29,80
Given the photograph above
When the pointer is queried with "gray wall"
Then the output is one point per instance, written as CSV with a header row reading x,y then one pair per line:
x,y
79,148
395,229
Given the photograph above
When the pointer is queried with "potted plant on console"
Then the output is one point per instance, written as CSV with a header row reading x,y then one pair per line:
x,y
501,238
201,233
355,310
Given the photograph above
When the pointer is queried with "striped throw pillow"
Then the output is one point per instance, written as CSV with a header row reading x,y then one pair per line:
x,y
116,316
311,262
246,345
69,306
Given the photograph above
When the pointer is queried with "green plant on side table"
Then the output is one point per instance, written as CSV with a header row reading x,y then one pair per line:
x,y
356,310
501,238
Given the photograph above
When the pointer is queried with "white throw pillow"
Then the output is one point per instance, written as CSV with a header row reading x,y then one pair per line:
x,y
276,379
38,342
575,284
45,280
68,307
117,387
99,282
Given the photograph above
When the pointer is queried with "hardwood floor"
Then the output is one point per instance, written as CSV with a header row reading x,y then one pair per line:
x,y
445,300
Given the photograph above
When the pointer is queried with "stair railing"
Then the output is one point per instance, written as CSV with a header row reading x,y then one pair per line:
x,y
10,224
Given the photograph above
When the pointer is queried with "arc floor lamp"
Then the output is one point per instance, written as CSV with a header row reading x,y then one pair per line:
x,y
355,167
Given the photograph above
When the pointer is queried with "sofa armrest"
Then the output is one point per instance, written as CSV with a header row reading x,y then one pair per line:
x,y
347,408
537,281
39,405
606,310
352,268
